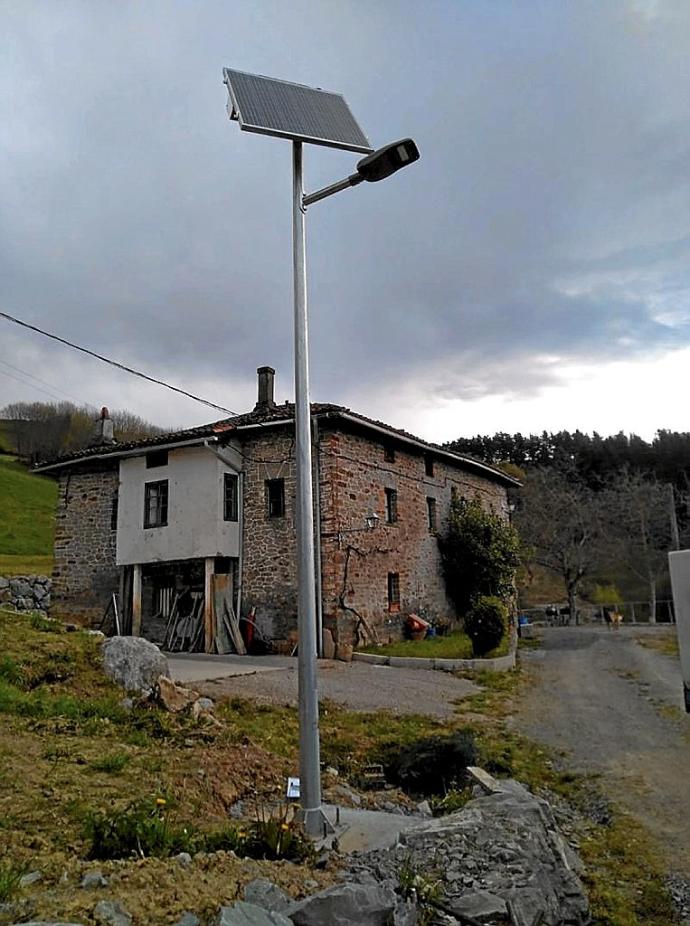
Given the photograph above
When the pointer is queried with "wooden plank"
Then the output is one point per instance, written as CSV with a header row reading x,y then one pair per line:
x,y
209,565
136,600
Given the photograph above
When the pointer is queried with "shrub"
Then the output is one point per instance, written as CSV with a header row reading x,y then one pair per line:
x,y
479,554
485,624
432,765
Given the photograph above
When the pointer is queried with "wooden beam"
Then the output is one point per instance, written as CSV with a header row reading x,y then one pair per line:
x,y
209,568
136,600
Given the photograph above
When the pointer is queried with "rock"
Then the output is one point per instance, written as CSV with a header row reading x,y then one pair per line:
x,y
347,794
4,583
424,808
343,652
188,919
247,914
405,914
183,858
347,905
93,879
202,709
32,877
134,663
45,923
328,644
20,588
71,628
266,894
205,704
236,811
480,906
173,697
127,704
111,913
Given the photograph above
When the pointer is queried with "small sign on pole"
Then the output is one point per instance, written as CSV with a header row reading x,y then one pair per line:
x,y
293,788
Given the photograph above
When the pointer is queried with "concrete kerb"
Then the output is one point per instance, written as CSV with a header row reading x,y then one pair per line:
x,y
498,664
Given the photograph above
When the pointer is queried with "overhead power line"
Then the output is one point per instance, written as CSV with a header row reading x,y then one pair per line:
x,y
115,363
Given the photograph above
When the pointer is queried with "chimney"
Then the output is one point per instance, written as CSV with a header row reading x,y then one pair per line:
x,y
103,430
265,399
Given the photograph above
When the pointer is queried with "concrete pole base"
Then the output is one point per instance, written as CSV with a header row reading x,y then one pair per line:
x,y
315,822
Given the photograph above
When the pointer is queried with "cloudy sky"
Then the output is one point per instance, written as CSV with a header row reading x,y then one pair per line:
x,y
531,271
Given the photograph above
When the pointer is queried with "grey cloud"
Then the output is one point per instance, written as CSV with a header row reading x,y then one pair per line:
x,y
553,142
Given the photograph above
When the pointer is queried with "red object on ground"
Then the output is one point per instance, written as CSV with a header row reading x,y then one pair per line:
x,y
416,624
249,628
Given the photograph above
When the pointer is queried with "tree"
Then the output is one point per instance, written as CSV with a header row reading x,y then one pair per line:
x,y
480,554
560,527
643,528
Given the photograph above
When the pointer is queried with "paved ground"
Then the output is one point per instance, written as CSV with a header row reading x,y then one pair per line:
x,y
615,708
357,685
197,667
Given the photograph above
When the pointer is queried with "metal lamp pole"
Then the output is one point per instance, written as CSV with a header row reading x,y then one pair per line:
x,y
309,748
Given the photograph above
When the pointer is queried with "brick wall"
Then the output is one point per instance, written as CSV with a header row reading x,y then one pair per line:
x,y
84,574
355,475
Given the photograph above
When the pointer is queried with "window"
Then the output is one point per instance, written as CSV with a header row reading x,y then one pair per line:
x,y
230,497
393,591
156,504
391,506
388,453
428,464
156,458
275,498
113,513
431,514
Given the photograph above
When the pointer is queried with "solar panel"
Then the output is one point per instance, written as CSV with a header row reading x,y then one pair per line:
x,y
308,114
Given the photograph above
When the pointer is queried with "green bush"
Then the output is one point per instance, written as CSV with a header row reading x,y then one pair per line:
x,y
485,624
141,830
479,554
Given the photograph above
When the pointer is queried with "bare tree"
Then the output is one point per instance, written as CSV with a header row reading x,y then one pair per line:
x,y
643,528
560,528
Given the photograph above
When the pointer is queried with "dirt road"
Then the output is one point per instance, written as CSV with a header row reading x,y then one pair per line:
x,y
614,707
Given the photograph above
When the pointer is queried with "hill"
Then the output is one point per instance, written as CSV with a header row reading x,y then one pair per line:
x,y
27,519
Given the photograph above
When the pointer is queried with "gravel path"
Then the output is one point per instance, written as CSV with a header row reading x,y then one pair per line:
x,y
356,685
615,708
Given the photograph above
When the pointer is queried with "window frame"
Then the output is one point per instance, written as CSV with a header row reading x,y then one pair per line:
x,y
269,484
428,465
114,506
389,453
391,505
431,514
393,591
231,503
161,506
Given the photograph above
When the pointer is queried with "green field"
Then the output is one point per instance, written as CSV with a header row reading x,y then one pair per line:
x,y
27,519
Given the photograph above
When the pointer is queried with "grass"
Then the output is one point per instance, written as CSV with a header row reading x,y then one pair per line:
x,y
70,753
25,565
667,644
456,645
27,514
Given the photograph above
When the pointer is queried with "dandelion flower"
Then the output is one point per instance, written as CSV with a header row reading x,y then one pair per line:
x,y
161,801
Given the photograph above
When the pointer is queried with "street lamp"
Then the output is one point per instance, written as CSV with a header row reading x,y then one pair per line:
x,y
313,116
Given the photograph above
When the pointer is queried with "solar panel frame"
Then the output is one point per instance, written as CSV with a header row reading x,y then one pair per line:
x,y
267,106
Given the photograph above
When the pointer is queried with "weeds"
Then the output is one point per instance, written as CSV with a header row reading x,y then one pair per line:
x,y
10,881
424,888
112,764
11,672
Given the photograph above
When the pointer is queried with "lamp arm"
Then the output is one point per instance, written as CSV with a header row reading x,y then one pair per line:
x,y
345,184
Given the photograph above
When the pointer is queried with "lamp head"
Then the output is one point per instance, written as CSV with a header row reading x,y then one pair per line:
x,y
372,520
384,162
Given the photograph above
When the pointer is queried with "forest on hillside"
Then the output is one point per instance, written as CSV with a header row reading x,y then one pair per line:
x,y
39,431
599,513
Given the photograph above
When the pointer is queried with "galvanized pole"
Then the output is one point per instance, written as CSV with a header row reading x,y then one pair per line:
x,y
309,753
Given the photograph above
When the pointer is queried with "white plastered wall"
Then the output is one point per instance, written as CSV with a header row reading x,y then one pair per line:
x,y
195,527
679,564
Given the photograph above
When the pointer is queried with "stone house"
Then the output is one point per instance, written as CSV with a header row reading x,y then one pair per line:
x,y
141,518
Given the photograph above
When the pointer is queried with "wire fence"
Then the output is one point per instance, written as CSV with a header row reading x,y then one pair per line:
x,y
634,612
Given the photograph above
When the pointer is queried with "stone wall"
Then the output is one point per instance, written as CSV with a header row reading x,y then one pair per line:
x,y
269,581
85,574
25,593
356,563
